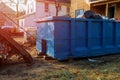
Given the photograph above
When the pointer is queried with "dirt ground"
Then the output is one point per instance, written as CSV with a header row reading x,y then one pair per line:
x,y
73,69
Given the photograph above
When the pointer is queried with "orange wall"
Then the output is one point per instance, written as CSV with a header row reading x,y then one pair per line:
x,y
99,9
78,4
117,13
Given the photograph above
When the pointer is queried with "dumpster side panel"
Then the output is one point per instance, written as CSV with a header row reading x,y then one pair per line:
x,y
62,39
56,32
94,38
79,37
108,34
94,35
50,41
45,32
118,34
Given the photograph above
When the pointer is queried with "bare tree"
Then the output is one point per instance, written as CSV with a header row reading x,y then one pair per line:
x,y
19,7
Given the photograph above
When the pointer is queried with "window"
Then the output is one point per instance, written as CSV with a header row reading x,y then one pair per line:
x,y
46,7
79,12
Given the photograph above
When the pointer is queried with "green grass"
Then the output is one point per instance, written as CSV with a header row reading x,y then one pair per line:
x,y
72,70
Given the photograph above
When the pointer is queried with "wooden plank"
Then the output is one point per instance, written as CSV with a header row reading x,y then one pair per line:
x,y
106,12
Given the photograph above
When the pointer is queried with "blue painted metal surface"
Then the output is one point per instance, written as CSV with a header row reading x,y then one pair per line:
x,y
71,37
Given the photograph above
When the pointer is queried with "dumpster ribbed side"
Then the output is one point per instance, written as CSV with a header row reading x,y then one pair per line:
x,y
62,40
82,37
95,38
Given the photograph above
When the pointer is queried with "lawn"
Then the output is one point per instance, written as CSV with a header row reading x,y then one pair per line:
x,y
73,69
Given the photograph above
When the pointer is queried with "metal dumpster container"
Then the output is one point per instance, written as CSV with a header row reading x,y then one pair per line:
x,y
72,37
94,37
55,31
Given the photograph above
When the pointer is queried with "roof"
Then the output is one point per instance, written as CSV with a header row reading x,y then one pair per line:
x,y
60,1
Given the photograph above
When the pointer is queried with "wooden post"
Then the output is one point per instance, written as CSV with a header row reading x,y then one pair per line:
x,y
57,6
106,13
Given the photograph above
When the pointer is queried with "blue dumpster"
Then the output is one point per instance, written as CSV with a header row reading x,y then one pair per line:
x,y
72,37
55,30
94,37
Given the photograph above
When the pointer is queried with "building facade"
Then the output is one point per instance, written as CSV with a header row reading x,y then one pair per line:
x,y
108,8
37,9
78,7
5,14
